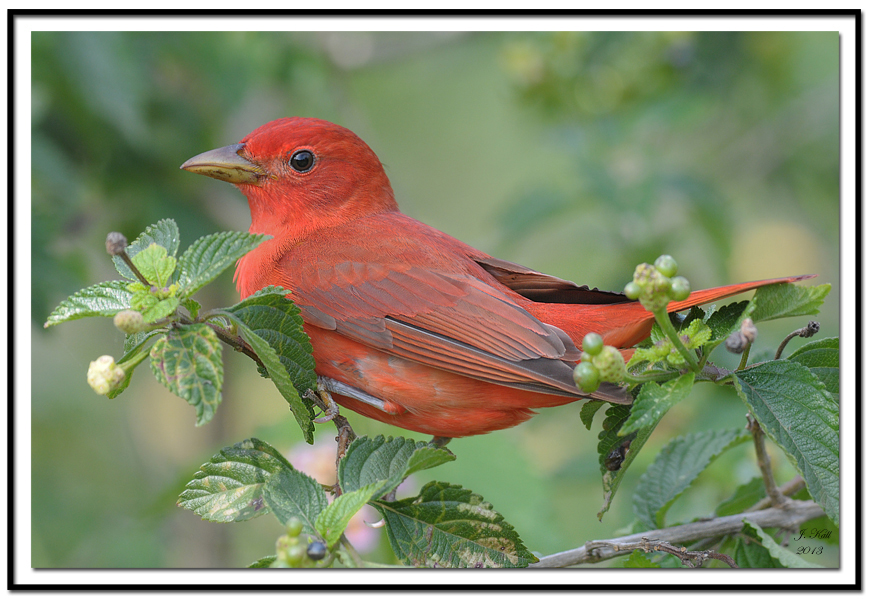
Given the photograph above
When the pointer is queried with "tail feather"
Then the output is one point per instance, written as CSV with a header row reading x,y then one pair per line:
x,y
705,296
631,323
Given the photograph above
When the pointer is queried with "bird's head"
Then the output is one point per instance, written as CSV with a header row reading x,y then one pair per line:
x,y
301,175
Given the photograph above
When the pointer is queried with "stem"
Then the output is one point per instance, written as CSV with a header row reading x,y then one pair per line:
x,y
745,357
776,496
791,515
663,375
129,262
667,326
808,331
357,560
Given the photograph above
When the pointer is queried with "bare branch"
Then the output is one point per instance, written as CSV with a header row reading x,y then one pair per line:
x,y
692,559
789,516
776,496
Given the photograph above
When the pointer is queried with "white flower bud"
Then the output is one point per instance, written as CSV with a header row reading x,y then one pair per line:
x,y
104,375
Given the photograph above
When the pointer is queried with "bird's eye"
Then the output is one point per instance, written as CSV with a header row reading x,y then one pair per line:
x,y
302,161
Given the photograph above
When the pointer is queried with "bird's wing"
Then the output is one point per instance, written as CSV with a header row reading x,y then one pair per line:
x,y
413,305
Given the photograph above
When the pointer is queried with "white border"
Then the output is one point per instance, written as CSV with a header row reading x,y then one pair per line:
x,y
24,25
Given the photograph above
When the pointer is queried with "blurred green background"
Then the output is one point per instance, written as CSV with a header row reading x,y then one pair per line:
x,y
576,154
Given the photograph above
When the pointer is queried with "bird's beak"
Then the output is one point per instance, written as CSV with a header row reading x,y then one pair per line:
x,y
225,164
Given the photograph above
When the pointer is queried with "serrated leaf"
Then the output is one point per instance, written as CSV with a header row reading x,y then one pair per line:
x,y
628,447
163,233
798,414
788,299
264,562
779,553
209,256
822,357
727,319
103,299
230,487
155,264
272,326
588,411
453,528
654,401
336,516
387,461
675,468
638,559
192,306
159,309
293,494
187,361
744,497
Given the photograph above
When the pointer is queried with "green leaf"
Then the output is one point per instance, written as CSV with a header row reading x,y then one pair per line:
x,y
192,306
587,412
727,319
744,497
102,299
675,468
231,486
453,528
387,462
336,516
788,299
155,264
293,494
154,308
163,233
655,400
609,442
798,414
638,559
779,553
750,553
264,562
209,256
271,325
822,357
187,361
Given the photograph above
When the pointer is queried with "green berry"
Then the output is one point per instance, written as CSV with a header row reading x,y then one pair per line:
x,y
295,555
593,343
610,364
666,265
294,527
632,290
585,357
680,288
586,377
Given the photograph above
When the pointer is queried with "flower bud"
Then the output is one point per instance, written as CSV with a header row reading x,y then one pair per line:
x,y
129,321
748,330
116,243
104,375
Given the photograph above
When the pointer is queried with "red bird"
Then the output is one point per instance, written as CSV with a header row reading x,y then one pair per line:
x,y
453,341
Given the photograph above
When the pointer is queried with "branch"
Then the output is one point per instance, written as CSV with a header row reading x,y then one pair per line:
x,y
692,559
790,516
776,496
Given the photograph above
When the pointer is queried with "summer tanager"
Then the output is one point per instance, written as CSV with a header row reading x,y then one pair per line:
x,y
453,341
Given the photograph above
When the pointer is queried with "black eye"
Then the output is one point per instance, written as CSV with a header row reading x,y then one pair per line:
x,y
302,161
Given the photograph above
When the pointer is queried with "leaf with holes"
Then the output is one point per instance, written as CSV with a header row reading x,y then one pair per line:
x,y
187,361
230,487
453,528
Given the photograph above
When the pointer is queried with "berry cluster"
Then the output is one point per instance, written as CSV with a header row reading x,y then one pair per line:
x,y
599,363
292,552
656,285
